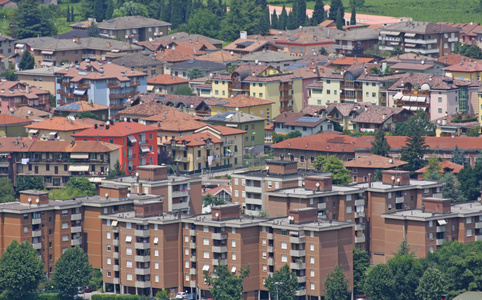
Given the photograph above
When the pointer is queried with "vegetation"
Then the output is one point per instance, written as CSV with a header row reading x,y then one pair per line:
x,y
226,285
337,169
458,156
380,146
114,297
415,148
27,62
76,187
281,137
9,73
195,73
7,193
21,270
71,271
116,171
282,284
319,162
432,285
336,285
31,20
210,200
469,182
29,183
162,294
183,90
361,262
467,50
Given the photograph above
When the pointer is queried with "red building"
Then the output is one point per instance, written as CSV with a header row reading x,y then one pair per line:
x,y
138,141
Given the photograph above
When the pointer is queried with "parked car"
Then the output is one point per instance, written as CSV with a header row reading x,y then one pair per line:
x,y
181,295
87,289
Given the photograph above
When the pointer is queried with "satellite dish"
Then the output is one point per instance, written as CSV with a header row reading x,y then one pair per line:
x,y
393,177
217,215
267,168
29,199
106,195
256,61
236,109
390,160
398,179
128,195
38,200
137,174
317,184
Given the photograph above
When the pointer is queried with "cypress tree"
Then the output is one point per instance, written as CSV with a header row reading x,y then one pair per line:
x,y
339,20
283,19
68,14
109,9
72,19
274,20
318,12
291,21
353,16
301,17
166,11
335,5
99,10
294,14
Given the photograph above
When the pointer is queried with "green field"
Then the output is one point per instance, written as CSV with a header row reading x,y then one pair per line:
x,y
459,11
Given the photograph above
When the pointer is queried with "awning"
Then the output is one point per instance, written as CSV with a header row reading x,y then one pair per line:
x,y
52,133
415,108
421,99
206,268
132,139
79,92
405,98
150,88
78,168
441,222
409,34
156,240
47,63
394,43
413,98
47,52
19,45
115,51
145,149
394,33
4,165
406,107
410,45
398,96
232,125
114,223
79,155
33,131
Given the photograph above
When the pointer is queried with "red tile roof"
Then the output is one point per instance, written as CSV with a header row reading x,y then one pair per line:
x,y
349,60
214,191
15,144
60,124
320,142
146,109
111,71
83,106
175,120
170,55
196,139
432,142
11,120
375,162
77,147
117,129
291,119
241,101
452,59
377,114
465,66
224,130
166,79
445,164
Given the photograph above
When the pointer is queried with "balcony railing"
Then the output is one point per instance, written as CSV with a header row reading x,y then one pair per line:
x,y
66,84
135,83
113,85
285,87
286,108
83,86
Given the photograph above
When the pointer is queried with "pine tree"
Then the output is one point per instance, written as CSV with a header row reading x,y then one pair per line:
x,y
294,13
353,16
340,21
166,11
318,12
99,10
291,21
458,156
109,10
415,147
449,189
380,146
283,19
68,14
334,7
301,13
72,19
274,20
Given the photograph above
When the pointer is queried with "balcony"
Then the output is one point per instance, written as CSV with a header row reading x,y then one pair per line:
x,y
297,240
359,239
399,199
478,225
66,84
144,271
36,221
301,292
478,238
117,106
270,261
192,232
181,159
72,96
114,85
76,229
385,48
36,233
115,242
192,284
301,279
269,236
115,255
192,245
143,258
440,228
142,233
178,147
440,242
177,194
115,229
181,205
285,87
321,206
116,267
115,280
37,246
453,40
75,242
49,58
360,214
253,189
135,83
75,217
221,261
286,108
219,236
83,86
220,249
420,41
192,258
270,249
121,95
143,284
359,227
238,86
297,253
360,202
192,271
142,246
297,266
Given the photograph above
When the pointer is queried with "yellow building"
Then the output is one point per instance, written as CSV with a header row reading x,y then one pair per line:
x,y
284,90
466,70
247,104
479,106
209,148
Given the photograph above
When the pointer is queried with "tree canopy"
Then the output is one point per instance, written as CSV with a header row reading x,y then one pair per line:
x,y
432,285
415,147
319,162
27,62
116,171
380,146
183,90
195,73
361,262
283,283
7,193
226,285
31,20
29,183
336,285
210,200
337,169
76,187
458,156
71,271
379,283
21,270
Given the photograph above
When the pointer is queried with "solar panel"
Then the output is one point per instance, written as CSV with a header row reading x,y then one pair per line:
x,y
190,61
294,38
111,21
308,120
222,102
72,106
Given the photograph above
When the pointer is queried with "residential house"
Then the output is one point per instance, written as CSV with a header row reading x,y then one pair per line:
x,y
355,41
307,125
415,63
302,42
452,59
221,192
163,40
253,125
364,169
11,126
305,149
166,84
142,63
437,95
139,112
465,70
101,112
348,61
106,84
56,128
309,74
456,124
134,28
7,48
30,113
446,166
199,106
419,37
284,90
84,25
278,60
468,31
49,51
245,45
138,141
378,118
344,113
209,148
182,68
225,57
42,78
14,94
246,104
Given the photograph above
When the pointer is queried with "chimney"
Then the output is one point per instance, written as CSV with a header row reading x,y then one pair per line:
x,y
243,35
32,197
132,70
384,116
281,167
123,74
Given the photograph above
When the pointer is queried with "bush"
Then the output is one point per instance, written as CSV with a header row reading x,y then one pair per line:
x,y
114,297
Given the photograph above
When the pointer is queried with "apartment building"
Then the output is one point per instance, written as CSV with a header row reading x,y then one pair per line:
x,y
255,106
419,37
264,82
437,95
138,142
42,78
302,122
14,94
56,128
106,84
100,111
147,249
134,28
378,118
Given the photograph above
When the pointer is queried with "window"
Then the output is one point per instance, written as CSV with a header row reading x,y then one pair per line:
x,y
233,230
236,182
128,251
65,238
440,99
264,254
469,232
25,229
206,254
156,278
243,181
236,193
129,263
128,225
243,194
349,209
284,258
156,265
129,276
468,220
430,236
206,241
233,256
284,232
265,268
312,273
109,261
109,274
312,260
284,245
312,286
312,247
205,228
65,225
439,110
430,223
128,238
108,247
156,252
233,243
276,185
186,264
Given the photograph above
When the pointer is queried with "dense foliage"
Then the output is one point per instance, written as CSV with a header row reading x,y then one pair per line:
x,y
282,284
226,285
76,187
336,285
71,271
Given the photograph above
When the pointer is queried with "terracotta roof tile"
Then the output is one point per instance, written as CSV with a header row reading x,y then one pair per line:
x,y
375,162
146,109
117,129
465,66
175,120
320,142
196,139
445,164
30,113
81,106
77,147
452,59
166,79
214,191
15,144
60,124
291,119
111,71
241,101
436,82
432,142
224,130
169,55
252,45
449,121
377,114
11,120
313,109
348,61
220,56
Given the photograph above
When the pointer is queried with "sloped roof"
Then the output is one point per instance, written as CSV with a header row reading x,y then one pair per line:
x,y
146,109
11,120
30,113
250,45
196,139
235,117
136,60
241,101
377,114
299,119
131,22
77,147
53,44
220,56
320,142
420,27
269,57
204,65
224,130
175,120
81,106
445,164
436,82
92,72
117,129
170,55
375,162
465,66
15,144
60,124
452,59
350,60
214,191
166,79
434,143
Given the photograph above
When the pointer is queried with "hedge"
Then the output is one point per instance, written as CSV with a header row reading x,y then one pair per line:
x,y
114,297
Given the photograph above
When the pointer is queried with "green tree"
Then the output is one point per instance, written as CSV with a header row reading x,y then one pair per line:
x,y
361,262
76,187
29,183
404,249
195,73
72,16
319,162
336,285
226,285
338,171
340,21
353,16
473,52
283,19
421,120
473,132
130,8
99,7
30,20
234,21
204,22
87,114
415,148
396,51
468,184
162,295
449,189
293,134
379,283
319,12
380,146
210,200
458,156
9,73
93,30
274,20
183,90
116,171
21,270
71,271
406,272
282,283
433,170
7,192
27,62
68,14
432,285
109,9
334,7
